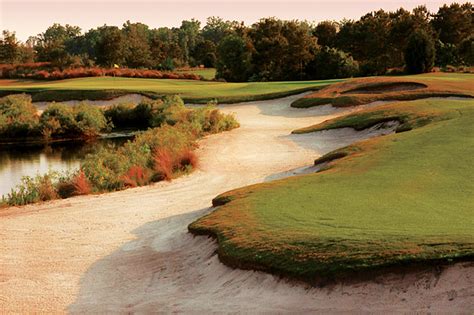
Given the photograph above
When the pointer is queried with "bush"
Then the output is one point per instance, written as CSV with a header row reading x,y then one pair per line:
x,y
33,189
104,169
82,121
90,120
156,154
18,116
57,120
419,53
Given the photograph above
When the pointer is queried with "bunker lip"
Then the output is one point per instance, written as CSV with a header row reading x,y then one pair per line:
x,y
380,88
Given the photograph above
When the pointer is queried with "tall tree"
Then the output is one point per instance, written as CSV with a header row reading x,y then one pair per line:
x,y
419,53
326,32
51,45
216,29
454,23
234,63
112,46
281,49
9,48
189,37
166,52
138,53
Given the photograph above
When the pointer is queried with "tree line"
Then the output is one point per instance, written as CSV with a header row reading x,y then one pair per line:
x,y
268,50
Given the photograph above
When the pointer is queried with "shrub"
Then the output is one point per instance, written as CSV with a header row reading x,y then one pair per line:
x,y
58,120
90,120
33,189
156,154
18,116
105,168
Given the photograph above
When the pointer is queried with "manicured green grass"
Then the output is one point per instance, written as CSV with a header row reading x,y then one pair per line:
x,y
206,73
395,200
189,90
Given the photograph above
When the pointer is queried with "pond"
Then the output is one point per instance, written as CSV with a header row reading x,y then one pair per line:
x,y
17,161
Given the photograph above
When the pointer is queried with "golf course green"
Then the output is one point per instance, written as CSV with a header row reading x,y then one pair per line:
x,y
396,200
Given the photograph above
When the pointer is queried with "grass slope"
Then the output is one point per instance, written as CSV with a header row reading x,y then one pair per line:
x,y
393,200
366,90
189,90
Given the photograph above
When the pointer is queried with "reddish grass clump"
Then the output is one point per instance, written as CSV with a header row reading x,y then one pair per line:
x,y
136,176
164,163
81,184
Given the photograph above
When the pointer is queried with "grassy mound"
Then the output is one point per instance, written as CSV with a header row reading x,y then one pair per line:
x,y
395,200
190,91
367,90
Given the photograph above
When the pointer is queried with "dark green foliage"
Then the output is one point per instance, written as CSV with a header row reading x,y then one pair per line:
x,y
269,50
281,49
419,53
454,23
111,46
466,51
330,63
326,33
205,54
234,59
13,51
446,54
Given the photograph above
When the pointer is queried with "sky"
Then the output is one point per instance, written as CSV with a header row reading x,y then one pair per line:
x,y
31,17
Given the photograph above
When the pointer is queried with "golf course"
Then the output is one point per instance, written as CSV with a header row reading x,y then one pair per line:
x,y
306,206
245,157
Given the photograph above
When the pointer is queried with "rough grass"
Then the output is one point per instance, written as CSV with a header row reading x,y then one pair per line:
x,y
191,91
395,200
366,90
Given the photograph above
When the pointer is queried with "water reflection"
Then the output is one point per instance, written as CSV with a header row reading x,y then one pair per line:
x,y
29,160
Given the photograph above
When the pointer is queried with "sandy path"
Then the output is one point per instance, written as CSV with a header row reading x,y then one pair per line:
x,y
129,251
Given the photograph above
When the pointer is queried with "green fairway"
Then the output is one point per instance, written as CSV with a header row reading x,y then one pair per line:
x,y
189,90
398,199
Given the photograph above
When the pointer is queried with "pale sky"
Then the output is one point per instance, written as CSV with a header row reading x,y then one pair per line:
x,y
30,17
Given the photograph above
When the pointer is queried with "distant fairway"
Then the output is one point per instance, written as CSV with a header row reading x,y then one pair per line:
x,y
190,90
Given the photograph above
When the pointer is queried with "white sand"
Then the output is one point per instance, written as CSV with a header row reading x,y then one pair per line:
x,y
129,251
